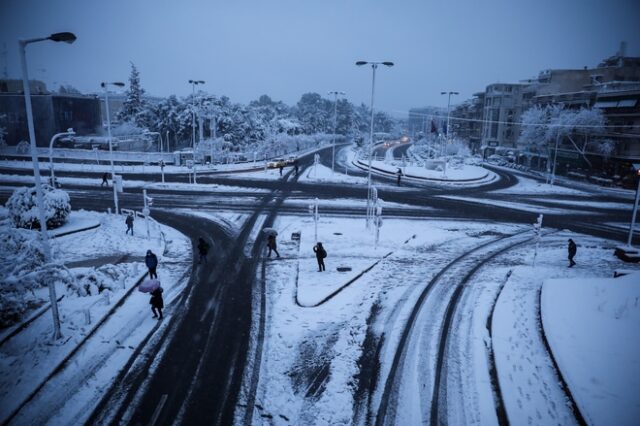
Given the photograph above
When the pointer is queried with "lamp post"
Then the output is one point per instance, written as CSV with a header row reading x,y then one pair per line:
x,y
194,83
335,125
105,85
22,44
374,66
448,109
69,132
636,166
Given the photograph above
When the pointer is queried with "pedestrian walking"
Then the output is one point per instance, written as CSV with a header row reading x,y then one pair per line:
x,y
321,253
129,222
280,167
203,250
272,245
157,303
105,180
151,260
572,252
295,166
399,173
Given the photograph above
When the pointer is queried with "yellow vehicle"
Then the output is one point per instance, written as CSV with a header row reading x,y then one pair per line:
x,y
275,164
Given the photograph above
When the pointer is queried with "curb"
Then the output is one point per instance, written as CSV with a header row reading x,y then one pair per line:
x,y
359,165
28,321
66,359
348,283
563,383
62,234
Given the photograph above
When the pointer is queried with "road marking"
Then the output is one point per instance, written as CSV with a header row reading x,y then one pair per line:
x,y
156,413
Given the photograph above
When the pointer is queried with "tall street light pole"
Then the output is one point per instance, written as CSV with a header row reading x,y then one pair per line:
x,y
335,125
448,109
374,66
22,44
105,85
69,132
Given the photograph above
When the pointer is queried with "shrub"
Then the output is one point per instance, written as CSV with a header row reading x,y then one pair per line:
x,y
24,212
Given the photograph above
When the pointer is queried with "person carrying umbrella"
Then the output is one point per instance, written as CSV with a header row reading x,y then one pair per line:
x,y
157,303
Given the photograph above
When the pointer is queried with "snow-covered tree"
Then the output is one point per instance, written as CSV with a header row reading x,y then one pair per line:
x,y
535,122
314,113
133,103
24,212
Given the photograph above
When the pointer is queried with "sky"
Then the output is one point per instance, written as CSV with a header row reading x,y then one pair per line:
x,y
284,48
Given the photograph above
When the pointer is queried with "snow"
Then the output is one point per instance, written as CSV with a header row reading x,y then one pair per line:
x,y
592,326
31,355
530,385
320,173
461,173
532,186
517,206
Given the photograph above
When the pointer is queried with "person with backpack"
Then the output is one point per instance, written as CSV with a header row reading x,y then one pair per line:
x,y
203,250
129,222
572,249
151,260
321,253
271,244
157,303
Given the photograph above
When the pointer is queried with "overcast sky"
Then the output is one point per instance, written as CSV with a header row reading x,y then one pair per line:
x,y
284,48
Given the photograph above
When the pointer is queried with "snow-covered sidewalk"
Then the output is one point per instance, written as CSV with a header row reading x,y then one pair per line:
x,y
592,326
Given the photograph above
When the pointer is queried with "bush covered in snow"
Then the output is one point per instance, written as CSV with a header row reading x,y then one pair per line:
x,y
22,271
24,212
92,281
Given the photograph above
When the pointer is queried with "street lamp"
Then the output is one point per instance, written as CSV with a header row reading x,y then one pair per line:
x,y
69,132
22,44
105,85
335,124
374,66
636,167
194,83
448,108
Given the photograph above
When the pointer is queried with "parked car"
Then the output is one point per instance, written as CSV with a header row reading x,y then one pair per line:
x,y
280,162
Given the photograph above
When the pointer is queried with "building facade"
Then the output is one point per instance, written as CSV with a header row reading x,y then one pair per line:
x,y
52,113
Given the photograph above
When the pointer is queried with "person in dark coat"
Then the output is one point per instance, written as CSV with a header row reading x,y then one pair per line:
x,y
572,252
280,167
152,263
104,180
295,166
157,303
203,250
129,222
272,245
321,253
399,173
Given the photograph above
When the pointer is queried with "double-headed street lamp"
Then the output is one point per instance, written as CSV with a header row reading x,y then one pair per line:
x,y
22,44
335,125
374,66
105,85
448,108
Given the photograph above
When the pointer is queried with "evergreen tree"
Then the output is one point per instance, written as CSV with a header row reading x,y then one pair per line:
x,y
133,104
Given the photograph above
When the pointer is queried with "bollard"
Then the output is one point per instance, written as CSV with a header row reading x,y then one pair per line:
x,y
106,297
87,316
